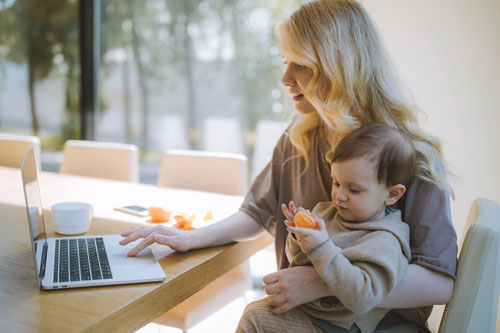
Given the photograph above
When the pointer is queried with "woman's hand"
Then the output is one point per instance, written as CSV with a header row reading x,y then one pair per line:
x,y
234,228
176,239
294,286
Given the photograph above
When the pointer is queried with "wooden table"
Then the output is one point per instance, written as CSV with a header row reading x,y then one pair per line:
x,y
24,307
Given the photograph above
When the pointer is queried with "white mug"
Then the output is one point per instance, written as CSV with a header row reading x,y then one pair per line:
x,y
71,218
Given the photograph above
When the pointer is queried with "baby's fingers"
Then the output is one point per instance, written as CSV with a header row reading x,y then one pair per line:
x,y
321,223
292,207
288,214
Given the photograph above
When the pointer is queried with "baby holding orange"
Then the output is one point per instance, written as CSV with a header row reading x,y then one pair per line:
x,y
362,250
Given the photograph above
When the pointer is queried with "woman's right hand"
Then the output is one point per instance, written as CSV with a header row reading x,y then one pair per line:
x,y
294,286
176,239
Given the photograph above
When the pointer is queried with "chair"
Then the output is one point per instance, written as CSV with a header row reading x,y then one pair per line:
x,y
13,149
474,304
117,161
224,173
215,172
222,135
267,134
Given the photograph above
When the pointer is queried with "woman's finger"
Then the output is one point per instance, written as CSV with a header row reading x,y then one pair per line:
x,y
138,233
272,289
282,308
142,245
276,300
129,232
271,278
292,207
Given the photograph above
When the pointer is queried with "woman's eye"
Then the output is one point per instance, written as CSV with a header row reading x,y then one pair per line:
x,y
353,190
299,67
336,184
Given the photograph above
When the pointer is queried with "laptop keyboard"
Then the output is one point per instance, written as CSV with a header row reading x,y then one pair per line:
x,y
81,259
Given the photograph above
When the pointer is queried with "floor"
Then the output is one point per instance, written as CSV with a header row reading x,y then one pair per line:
x,y
226,319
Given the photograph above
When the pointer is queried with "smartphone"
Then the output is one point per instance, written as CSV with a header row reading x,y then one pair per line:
x,y
134,210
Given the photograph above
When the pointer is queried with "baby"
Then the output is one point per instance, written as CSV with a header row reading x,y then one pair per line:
x,y
362,250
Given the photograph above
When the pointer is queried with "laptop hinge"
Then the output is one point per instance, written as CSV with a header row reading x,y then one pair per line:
x,y
43,262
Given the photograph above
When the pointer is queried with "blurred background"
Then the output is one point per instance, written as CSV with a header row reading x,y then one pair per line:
x,y
205,74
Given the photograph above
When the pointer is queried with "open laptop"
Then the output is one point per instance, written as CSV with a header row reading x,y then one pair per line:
x,y
83,261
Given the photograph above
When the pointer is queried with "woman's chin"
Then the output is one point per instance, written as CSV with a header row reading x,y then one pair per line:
x,y
304,109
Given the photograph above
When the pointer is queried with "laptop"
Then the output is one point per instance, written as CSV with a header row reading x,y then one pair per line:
x,y
83,261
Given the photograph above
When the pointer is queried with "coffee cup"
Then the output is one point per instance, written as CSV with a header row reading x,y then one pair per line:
x,y
72,218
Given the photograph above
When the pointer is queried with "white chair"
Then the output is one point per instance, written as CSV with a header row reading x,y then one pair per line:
x,y
117,161
267,134
215,172
474,304
222,135
204,171
13,149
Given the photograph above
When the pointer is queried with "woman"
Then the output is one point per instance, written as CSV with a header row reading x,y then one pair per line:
x,y
340,78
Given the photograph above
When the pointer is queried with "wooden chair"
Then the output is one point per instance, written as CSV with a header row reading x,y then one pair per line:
x,y
216,172
13,149
117,161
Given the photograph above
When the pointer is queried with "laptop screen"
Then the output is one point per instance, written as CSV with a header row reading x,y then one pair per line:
x,y
34,211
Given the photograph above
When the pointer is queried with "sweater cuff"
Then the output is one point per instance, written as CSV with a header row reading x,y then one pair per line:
x,y
324,252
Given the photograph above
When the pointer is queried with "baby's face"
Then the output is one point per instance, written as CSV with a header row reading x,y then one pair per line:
x,y
356,192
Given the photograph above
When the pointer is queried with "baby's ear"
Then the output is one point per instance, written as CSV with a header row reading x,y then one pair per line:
x,y
395,193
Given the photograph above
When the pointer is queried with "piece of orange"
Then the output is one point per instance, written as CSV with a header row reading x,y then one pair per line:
x,y
208,216
304,219
181,220
187,226
159,215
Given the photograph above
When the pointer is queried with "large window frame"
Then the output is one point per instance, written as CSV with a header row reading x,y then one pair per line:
x,y
89,24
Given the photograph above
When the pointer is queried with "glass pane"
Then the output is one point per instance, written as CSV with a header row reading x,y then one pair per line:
x,y
39,72
189,74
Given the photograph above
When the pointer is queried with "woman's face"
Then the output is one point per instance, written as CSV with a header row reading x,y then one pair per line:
x,y
296,78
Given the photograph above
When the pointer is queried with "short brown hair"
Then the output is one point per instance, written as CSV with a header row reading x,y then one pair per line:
x,y
391,150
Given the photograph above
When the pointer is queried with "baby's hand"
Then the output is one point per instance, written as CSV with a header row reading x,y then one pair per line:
x,y
289,212
309,239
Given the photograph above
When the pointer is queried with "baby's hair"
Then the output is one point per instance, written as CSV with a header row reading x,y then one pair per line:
x,y
391,151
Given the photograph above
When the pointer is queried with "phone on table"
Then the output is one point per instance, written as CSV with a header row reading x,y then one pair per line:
x,y
134,210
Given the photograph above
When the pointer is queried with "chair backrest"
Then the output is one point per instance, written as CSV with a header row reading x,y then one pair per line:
x,y
222,135
13,149
474,304
204,171
267,134
117,161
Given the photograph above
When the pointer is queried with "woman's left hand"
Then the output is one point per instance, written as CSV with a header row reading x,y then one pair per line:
x,y
294,286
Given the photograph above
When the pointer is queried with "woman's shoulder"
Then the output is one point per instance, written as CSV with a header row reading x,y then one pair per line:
x,y
284,148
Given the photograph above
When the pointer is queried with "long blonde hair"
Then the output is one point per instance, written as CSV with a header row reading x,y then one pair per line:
x,y
353,81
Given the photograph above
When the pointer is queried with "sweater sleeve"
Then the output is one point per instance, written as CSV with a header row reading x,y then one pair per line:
x,y
363,275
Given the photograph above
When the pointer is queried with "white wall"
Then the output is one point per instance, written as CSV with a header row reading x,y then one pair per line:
x,y
448,54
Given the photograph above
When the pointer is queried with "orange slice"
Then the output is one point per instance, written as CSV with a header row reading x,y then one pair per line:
x,y
208,216
159,215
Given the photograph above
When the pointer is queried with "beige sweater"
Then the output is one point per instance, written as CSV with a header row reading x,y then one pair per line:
x,y
361,263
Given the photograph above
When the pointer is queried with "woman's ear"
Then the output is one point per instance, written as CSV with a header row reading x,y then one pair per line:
x,y
395,193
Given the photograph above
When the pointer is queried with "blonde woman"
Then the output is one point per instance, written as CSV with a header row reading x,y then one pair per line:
x,y
340,78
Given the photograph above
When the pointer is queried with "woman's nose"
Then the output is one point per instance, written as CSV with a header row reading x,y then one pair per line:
x,y
287,79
